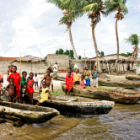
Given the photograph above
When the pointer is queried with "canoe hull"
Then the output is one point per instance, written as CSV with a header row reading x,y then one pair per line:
x,y
105,94
27,113
132,77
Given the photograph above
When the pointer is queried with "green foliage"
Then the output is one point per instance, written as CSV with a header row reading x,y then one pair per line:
x,y
115,5
61,51
134,39
57,52
101,53
126,54
79,57
85,58
71,54
57,93
67,52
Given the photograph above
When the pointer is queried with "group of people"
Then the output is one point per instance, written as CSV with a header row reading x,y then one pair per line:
x,y
81,80
22,87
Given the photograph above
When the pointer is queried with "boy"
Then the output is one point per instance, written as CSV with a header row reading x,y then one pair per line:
x,y
11,90
36,81
69,84
9,70
45,94
55,71
17,81
48,79
76,77
95,76
87,76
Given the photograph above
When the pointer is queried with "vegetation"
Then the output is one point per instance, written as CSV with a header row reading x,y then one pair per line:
x,y
120,7
57,93
134,39
101,53
126,54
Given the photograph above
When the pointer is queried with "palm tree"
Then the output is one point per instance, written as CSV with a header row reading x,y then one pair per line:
x,y
94,8
69,17
134,39
120,7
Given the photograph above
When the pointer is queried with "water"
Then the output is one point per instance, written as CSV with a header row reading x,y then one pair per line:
x,y
122,123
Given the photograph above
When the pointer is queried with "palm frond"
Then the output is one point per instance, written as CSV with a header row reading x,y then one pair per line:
x,y
92,6
134,39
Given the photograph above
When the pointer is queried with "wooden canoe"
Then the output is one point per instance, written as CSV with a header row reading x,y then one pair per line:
x,y
119,83
78,105
27,113
116,94
132,77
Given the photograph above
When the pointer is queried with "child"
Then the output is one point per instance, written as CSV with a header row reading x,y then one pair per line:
x,y
26,97
76,77
87,73
95,76
45,94
1,81
30,88
17,81
11,90
48,79
83,82
69,84
69,70
9,70
36,81
23,85
55,71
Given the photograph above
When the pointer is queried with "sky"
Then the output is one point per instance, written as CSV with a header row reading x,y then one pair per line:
x,y
31,27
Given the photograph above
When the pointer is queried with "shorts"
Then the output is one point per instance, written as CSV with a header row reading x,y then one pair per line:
x,y
87,82
77,82
18,91
68,87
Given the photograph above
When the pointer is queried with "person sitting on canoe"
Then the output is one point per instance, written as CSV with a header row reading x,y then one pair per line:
x,y
48,79
83,82
11,90
87,73
95,76
76,77
45,93
69,84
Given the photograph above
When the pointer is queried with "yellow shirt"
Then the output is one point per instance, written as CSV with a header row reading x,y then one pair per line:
x,y
76,77
44,95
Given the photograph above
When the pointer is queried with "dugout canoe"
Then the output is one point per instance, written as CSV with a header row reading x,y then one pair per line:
x,y
27,113
129,84
71,105
119,95
132,77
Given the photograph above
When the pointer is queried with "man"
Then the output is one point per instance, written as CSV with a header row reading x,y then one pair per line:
x,y
87,73
55,70
1,81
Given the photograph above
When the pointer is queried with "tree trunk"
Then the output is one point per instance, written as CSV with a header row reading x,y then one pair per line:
x,y
96,49
72,44
117,39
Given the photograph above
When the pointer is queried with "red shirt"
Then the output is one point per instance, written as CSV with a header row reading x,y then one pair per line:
x,y
16,77
69,80
30,89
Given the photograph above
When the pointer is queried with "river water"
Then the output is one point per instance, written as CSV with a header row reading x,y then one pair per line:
x,y
122,123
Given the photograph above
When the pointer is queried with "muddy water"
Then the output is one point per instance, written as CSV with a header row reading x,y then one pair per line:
x,y
123,122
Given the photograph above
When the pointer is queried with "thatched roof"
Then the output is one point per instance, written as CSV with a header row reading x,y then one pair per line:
x,y
30,58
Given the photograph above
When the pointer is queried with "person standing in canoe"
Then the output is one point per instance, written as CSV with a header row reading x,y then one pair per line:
x,y
76,77
55,71
87,73
69,84
45,93
17,81
95,76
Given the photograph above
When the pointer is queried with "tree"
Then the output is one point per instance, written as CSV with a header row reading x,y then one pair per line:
x,y
56,52
120,7
67,19
134,39
79,57
126,54
101,54
60,51
67,52
71,54
95,9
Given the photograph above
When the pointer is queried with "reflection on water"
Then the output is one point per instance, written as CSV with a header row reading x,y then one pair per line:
x,y
123,122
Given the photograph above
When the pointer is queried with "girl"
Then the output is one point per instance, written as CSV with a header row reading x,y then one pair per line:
x,y
45,94
83,82
36,81
30,88
76,77
95,76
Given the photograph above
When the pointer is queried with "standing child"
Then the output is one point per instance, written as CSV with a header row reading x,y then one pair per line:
x,y
17,81
36,81
1,81
87,73
9,70
69,84
83,82
48,79
30,88
95,76
45,93
76,77
11,90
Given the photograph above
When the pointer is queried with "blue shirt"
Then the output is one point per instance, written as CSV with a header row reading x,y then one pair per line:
x,y
94,74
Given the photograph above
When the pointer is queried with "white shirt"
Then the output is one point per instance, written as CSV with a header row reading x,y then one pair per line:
x,y
55,67
36,79
75,66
